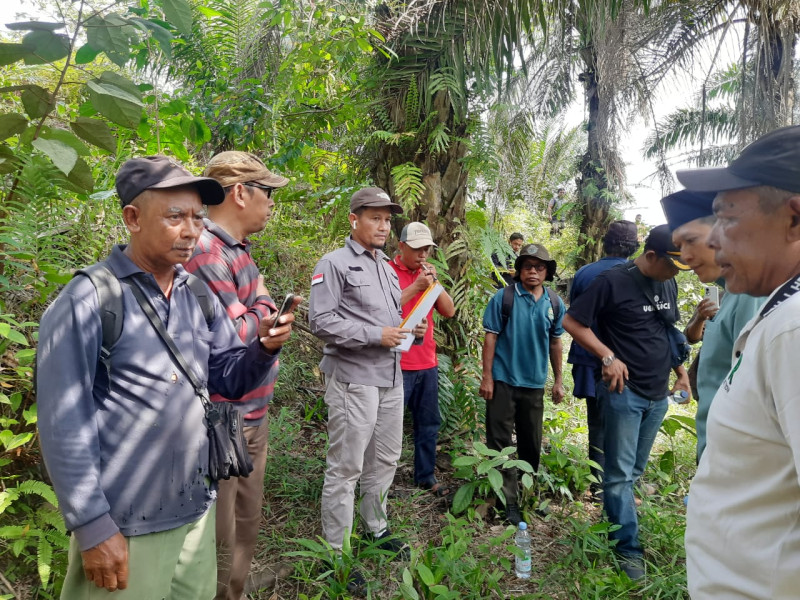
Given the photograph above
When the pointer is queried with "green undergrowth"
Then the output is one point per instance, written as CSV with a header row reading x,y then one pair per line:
x,y
466,551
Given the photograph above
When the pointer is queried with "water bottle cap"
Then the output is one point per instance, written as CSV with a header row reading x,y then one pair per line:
x,y
682,394
523,525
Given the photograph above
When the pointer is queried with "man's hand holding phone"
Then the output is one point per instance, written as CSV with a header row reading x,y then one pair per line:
x,y
276,329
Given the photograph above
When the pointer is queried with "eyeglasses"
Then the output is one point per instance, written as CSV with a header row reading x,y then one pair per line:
x,y
538,267
268,190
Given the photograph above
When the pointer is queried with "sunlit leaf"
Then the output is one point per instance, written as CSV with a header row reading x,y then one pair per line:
x,y
62,155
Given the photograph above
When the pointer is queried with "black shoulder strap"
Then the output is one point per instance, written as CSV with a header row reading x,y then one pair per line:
x,y
554,303
201,292
112,309
109,298
158,325
507,305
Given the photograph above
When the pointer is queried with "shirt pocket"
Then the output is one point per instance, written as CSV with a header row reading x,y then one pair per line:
x,y
359,293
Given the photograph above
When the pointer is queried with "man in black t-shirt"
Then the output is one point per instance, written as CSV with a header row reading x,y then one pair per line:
x,y
633,382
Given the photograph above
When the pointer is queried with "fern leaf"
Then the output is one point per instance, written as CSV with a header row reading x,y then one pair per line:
x,y
408,186
44,560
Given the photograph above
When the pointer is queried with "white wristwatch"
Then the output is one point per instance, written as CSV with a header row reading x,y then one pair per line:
x,y
607,360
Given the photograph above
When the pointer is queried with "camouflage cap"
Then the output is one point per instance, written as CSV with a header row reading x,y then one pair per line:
x,y
242,167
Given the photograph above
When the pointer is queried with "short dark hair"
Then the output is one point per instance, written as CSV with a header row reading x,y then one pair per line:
x,y
620,249
516,236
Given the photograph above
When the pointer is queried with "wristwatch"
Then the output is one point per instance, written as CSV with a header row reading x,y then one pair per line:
x,y
607,360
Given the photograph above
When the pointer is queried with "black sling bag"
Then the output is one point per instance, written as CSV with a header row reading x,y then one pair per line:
x,y
227,446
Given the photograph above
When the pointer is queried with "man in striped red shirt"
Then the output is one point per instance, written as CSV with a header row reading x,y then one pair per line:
x,y
222,259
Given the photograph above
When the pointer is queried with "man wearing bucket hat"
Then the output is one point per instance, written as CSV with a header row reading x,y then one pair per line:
x,y
631,305
222,259
419,364
516,350
743,522
121,427
355,308
619,243
690,217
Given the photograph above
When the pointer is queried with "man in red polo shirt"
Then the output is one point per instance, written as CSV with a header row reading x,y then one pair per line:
x,y
420,365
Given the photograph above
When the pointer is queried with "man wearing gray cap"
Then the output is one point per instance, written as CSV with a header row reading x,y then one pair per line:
x,y
121,427
354,307
222,259
743,521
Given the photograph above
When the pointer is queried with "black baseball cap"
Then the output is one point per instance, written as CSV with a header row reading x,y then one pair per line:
x,y
772,160
685,206
161,172
660,242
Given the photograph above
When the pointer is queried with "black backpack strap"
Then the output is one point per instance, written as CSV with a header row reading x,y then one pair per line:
x,y
202,293
554,302
507,305
109,298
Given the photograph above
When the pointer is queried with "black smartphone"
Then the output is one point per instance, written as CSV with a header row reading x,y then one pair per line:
x,y
284,308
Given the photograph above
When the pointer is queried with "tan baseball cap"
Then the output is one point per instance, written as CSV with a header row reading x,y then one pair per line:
x,y
242,167
373,197
416,235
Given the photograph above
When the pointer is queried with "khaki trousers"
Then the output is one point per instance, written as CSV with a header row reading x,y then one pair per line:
x,y
365,429
178,564
239,502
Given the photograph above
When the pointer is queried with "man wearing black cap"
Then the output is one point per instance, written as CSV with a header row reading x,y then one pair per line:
x,y
717,324
222,260
619,243
631,305
354,307
516,349
121,428
743,523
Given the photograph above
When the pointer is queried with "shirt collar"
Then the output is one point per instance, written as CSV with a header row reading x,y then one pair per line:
x,y
224,235
401,265
359,249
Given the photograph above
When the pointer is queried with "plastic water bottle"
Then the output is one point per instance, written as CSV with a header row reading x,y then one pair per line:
x,y
679,397
522,566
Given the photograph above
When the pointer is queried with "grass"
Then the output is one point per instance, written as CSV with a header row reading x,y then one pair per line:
x,y
469,556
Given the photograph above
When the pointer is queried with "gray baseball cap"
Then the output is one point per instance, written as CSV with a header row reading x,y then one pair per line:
x,y
373,197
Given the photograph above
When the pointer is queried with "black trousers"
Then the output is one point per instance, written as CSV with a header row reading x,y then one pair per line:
x,y
521,409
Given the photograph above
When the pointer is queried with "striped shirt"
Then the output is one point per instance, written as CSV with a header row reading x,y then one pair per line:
x,y
226,266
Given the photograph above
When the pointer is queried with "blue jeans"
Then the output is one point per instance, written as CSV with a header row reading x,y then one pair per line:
x,y
421,398
631,424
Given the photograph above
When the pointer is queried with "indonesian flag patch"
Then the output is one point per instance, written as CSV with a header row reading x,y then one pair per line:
x,y
317,278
